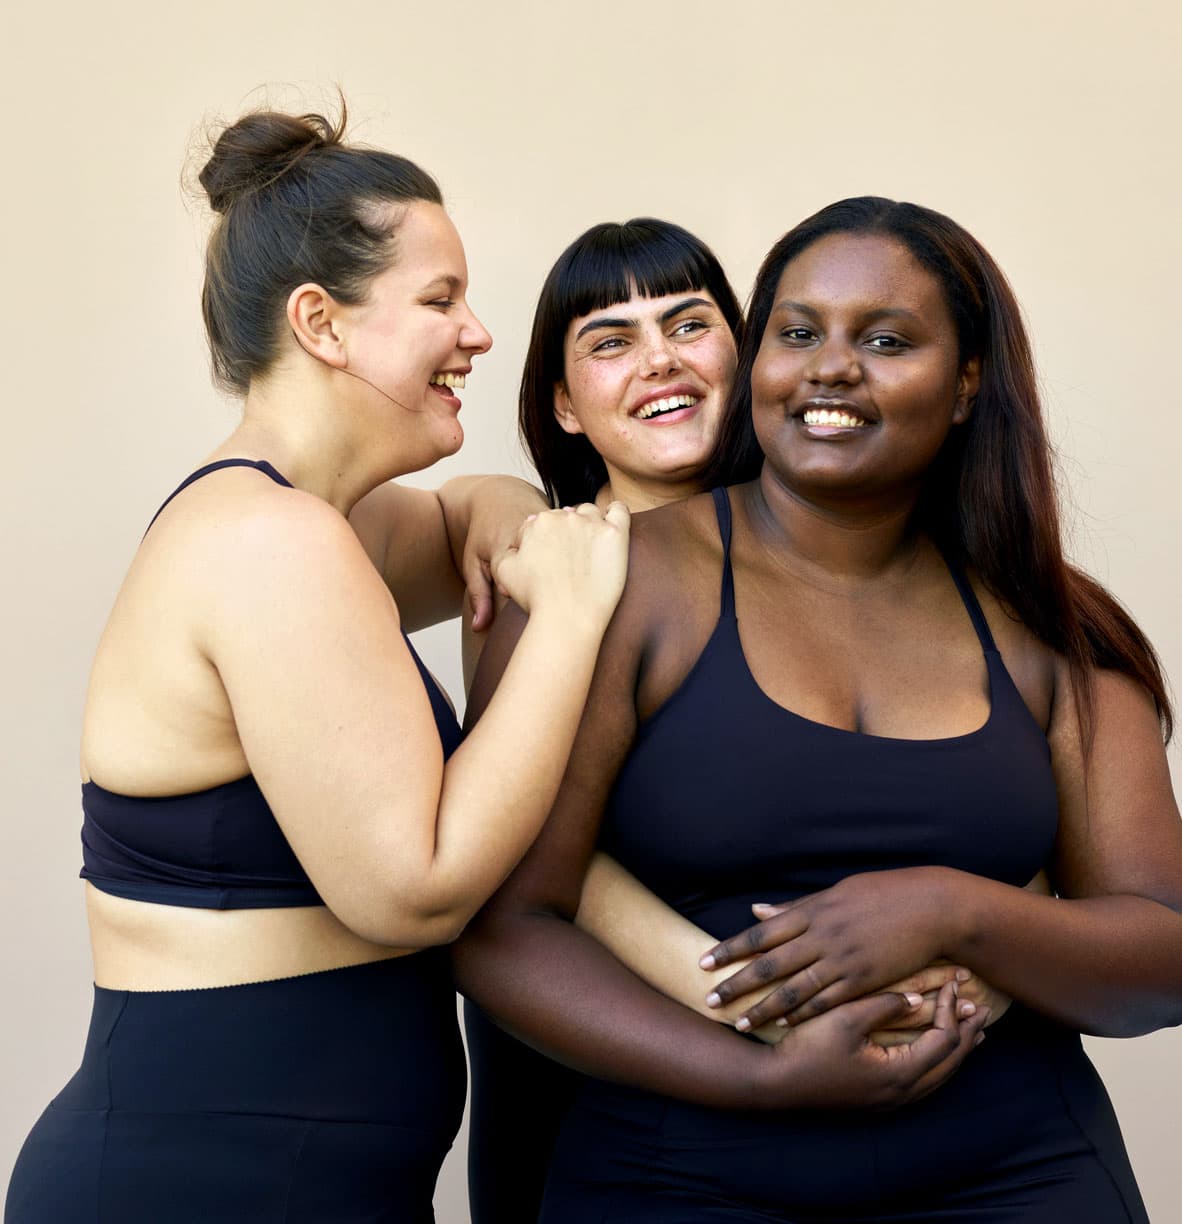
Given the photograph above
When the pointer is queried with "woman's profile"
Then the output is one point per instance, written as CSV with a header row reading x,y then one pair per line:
x,y
280,823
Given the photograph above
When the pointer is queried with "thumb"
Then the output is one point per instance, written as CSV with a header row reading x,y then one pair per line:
x,y
479,583
617,514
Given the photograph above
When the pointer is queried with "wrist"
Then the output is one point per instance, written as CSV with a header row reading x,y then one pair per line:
x,y
954,901
578,624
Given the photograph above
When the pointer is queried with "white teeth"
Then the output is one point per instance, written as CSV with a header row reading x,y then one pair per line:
x,y
832,416
448,380
668,404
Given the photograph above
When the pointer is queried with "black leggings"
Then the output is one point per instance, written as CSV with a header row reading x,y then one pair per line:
x,y
1022,1134
331,1096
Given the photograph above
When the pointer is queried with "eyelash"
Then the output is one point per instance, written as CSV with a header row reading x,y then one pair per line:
x,y
802,335
612,342
442,303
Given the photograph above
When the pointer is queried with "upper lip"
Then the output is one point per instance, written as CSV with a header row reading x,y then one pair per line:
x,y
664,393
466,370
833,403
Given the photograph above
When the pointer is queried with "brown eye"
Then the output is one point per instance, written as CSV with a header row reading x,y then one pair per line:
x,y
887,344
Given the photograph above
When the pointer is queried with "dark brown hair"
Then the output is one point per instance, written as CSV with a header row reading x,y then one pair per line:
x,y
296,205
990,500
603,266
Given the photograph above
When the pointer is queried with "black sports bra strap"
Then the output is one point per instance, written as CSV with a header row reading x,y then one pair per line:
x,y
972,605
260,464
722,507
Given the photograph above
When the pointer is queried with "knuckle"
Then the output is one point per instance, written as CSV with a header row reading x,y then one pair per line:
x,y
786,997
764,969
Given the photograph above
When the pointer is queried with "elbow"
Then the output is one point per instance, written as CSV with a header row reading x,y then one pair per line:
x,y
395,923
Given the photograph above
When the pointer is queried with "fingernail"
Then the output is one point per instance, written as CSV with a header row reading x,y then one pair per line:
x,y
986,1012
762,905
967,1009
707,961
742,1024
963,975
713,999
782,1022
955,990
913,1000
980,1037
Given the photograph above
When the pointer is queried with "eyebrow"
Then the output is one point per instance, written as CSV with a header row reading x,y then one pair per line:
x,y
871,316
452,282
604,322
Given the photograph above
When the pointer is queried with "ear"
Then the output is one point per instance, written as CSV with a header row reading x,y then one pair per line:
x,y
314,318
563,413
968,383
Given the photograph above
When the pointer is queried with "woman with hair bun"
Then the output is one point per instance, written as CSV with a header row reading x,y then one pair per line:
x,y
279,823
863,684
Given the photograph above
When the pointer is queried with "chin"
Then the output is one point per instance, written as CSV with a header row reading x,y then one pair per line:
x,y
453,443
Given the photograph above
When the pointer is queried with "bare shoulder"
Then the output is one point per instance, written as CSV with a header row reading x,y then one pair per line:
x,y
671,602
247,547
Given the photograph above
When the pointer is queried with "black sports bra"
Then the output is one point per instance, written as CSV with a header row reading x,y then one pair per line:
x,y
728,798
219,848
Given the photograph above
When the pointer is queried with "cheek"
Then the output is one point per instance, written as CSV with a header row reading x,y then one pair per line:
x,y
773,378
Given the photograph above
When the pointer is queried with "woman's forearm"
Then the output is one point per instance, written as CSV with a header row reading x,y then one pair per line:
x,y
561,991
1110,966
649,936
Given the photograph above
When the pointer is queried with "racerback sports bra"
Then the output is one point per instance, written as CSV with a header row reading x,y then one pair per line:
x,y
219,848
728,798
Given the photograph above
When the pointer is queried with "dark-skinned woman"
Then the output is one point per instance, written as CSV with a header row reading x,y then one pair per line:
x,y
864,682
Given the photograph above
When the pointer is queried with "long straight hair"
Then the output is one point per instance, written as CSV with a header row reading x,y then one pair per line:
x,y
990,499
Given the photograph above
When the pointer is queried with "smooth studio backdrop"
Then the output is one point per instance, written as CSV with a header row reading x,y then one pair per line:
x,y
1049,129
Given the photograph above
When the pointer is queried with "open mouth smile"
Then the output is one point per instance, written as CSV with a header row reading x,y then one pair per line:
x,y
835,418
665,405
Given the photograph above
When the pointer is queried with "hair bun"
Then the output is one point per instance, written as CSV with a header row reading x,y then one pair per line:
x,y
260,148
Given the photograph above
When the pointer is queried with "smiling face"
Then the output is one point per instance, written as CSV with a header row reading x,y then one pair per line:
x,y
414,336
646,380
858,378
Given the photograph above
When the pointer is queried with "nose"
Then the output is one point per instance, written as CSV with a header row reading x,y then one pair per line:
x,y
474,336
835,363
658,354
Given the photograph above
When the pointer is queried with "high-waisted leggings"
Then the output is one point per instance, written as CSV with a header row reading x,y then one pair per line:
x,y
331,1096
1023,1134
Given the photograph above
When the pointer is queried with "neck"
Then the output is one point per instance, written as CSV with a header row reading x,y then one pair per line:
x,y
847,541
298,421
638,494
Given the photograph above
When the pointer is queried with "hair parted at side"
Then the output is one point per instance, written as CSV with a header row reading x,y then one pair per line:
x,y
990,500
607,264
296,204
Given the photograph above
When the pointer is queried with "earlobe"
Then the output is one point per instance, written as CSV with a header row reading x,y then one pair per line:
x,y
563,412
312,315
967,386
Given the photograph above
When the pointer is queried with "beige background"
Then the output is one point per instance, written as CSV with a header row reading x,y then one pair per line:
x,y
1049,129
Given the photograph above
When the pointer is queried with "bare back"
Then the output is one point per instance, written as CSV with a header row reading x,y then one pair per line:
x,y
158,721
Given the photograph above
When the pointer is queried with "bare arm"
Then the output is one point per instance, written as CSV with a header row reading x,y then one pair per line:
x,y
432,546
661,946
1105,956
337,727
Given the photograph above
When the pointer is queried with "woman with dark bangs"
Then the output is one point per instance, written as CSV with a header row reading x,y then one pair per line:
x,y
624,394
866,685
